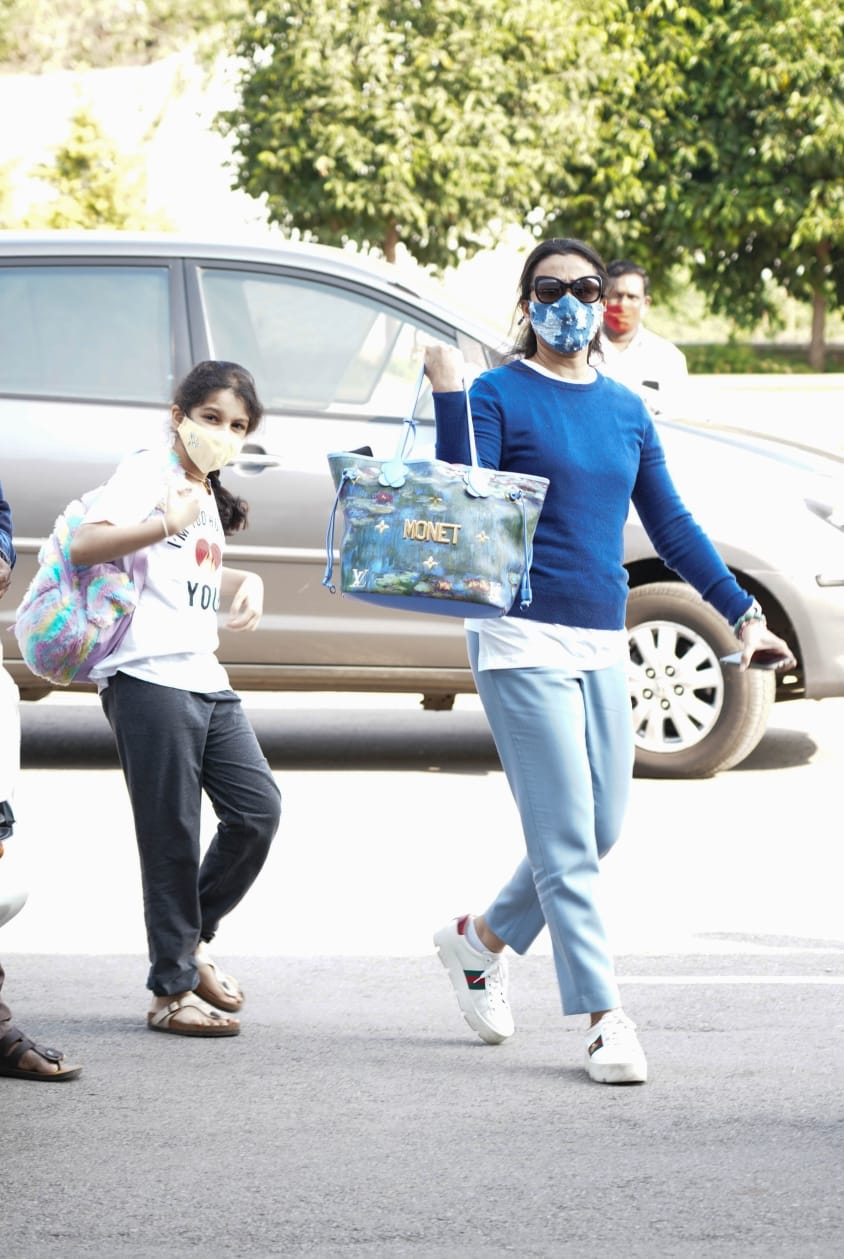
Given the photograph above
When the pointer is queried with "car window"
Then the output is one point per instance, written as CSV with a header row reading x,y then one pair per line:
x,y
91,332
316,347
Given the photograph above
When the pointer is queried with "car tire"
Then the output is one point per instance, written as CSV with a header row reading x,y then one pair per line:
x,y
692,716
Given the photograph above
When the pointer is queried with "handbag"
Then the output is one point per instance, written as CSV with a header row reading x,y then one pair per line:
x,y
423,535
71,617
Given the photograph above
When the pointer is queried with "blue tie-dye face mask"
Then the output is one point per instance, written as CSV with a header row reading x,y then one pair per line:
x,y
566,325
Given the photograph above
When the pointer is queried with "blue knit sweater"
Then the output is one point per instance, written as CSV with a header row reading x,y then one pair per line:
x,y
6,544
598,446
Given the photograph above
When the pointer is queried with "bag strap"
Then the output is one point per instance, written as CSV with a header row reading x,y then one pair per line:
x,y
476,477
394,471
348,474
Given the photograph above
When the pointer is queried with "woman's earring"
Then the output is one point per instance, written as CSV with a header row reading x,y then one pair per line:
x,y
520,321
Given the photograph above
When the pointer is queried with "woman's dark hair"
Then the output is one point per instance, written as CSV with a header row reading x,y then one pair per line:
x,y
525,345
201,381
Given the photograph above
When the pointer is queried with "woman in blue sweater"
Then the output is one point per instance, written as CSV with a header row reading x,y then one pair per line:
x,y
553,677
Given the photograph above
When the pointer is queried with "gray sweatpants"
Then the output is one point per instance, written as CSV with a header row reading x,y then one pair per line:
x,y
173,745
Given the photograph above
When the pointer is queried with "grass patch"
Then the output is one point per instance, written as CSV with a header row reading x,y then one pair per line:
x,y
737,357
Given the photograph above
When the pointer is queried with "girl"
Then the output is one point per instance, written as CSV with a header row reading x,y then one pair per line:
x,y
553,678
179,727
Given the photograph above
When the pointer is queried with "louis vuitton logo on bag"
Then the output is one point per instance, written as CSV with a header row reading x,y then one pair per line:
x,y
359,577
431,531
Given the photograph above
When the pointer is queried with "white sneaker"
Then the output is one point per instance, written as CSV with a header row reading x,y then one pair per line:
x,y
480,981
613,1052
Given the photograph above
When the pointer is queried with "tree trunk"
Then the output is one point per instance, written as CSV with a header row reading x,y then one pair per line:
x,y
391,241
817,346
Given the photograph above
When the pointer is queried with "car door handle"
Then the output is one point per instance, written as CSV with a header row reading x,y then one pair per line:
x,y
252,461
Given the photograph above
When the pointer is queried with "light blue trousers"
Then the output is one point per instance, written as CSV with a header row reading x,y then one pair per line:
x,y
565,741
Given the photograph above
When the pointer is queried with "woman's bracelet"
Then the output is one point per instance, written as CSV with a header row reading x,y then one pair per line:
x,y
753,613
164,526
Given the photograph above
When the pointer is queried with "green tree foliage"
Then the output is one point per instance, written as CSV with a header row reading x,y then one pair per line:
x,y
41,35
608,189
94,184
387,121
745,105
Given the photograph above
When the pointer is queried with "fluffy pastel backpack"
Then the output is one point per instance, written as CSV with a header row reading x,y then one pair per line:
x,y
72,617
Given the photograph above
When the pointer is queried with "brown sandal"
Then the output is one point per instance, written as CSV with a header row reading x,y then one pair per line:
x,y
216,987
14,1045
160,1020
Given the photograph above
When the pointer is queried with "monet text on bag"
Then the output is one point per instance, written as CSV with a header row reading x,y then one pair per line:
x,y
432,531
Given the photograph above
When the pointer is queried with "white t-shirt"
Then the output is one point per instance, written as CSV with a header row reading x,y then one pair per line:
x,y
508,642
173,636
648,358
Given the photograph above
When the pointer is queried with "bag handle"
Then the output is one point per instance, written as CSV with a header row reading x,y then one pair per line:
x,y
394,471
476,478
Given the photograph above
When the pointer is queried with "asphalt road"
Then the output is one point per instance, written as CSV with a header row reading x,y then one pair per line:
x,y
356,1115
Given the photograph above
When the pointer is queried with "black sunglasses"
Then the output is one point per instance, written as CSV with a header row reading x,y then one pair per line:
x,y
587,289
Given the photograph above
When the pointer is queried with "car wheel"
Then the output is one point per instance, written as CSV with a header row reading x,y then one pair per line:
x,y
692,716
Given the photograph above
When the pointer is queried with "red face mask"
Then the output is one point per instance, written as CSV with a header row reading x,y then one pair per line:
x,y
619,317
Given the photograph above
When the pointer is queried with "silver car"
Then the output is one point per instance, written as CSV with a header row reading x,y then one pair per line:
x,y
95,331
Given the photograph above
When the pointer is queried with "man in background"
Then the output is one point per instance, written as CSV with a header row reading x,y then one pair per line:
x,y
646,363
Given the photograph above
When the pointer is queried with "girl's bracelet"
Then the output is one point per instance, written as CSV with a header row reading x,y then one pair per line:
x,y
753,613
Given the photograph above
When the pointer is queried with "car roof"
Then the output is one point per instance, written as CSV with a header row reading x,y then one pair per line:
x,y
260,248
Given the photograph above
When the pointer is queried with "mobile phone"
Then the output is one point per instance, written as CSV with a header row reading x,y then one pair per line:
x,y
762,659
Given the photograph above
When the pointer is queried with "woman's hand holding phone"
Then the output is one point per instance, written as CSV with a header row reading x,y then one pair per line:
x,y
760,649
762,658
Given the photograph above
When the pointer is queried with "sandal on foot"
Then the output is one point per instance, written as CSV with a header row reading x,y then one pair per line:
x,y
162,1020
216,987
14,1045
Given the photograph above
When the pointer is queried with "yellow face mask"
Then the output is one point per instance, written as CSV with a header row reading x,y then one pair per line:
x,y
208,450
